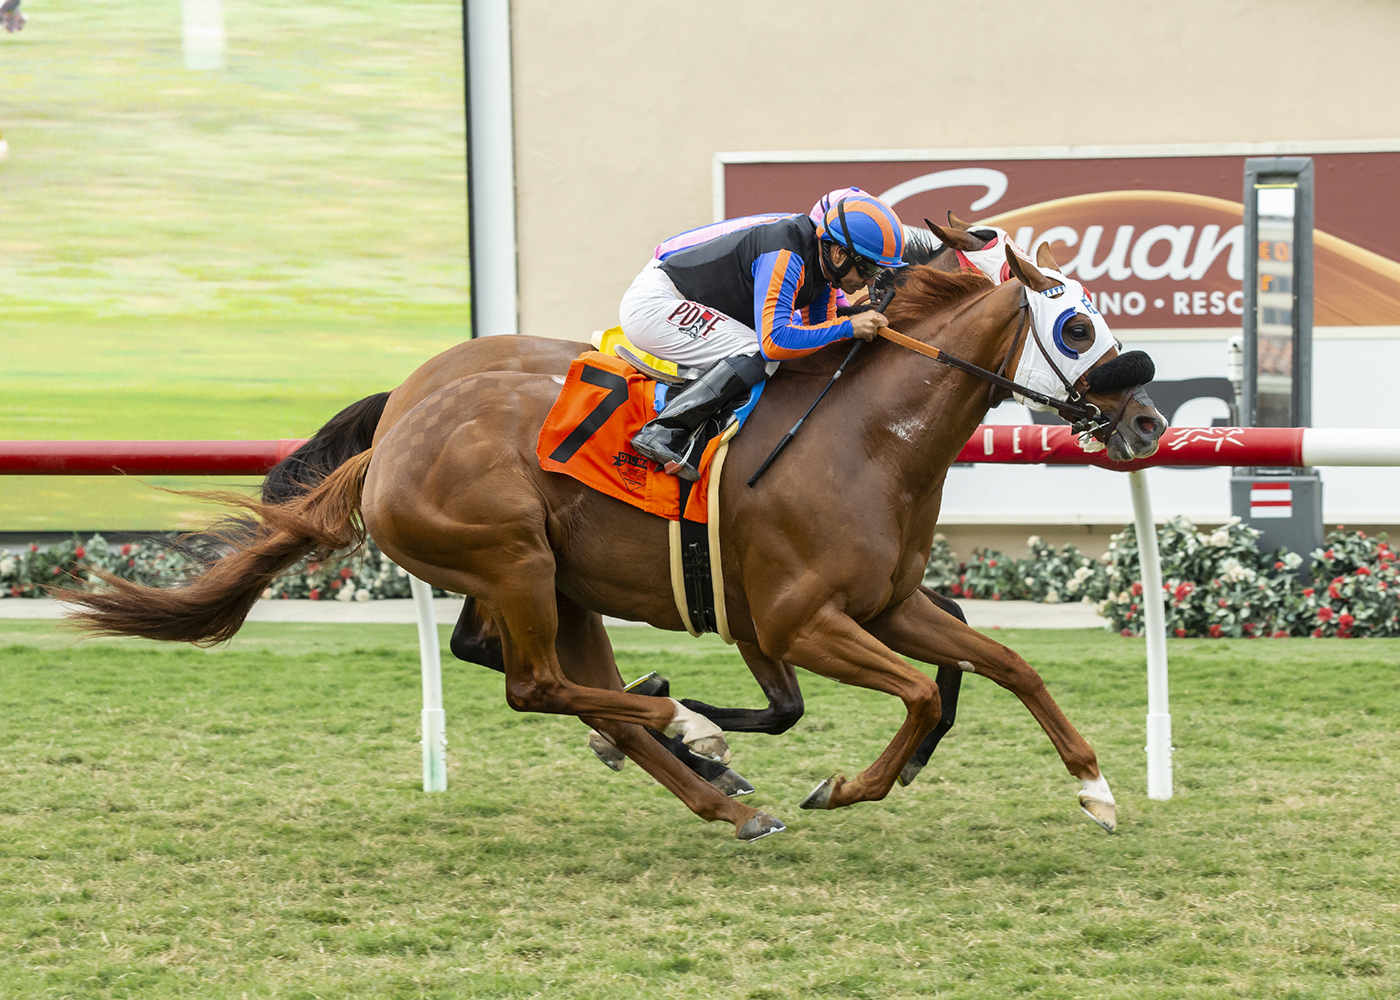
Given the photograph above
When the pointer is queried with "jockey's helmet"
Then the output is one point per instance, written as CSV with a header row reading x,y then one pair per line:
x,y
818,212
866,227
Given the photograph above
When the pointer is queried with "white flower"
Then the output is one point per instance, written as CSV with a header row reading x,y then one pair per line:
x,y
1072,585
1292,561
267,594
7,566
1082,574
362,594
1219,538
1033,540
347,592
1053,597
1029,581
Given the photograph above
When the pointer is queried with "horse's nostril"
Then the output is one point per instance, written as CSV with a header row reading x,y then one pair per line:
x,y
1148,425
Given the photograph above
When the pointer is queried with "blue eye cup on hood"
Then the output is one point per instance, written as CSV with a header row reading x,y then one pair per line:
x,y
1060,322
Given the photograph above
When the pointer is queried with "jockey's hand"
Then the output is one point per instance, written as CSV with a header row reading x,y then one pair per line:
x,y
867,324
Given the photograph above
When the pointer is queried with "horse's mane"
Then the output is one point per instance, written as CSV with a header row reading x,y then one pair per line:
x,y
920,245
924,290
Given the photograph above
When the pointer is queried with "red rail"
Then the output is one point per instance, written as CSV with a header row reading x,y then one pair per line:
x,y
1000,443
143,458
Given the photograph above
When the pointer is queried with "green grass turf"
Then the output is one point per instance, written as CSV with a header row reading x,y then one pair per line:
x,y
249,822
234,253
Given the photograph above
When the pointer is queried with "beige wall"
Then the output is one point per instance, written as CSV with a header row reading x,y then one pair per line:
x,y
620,106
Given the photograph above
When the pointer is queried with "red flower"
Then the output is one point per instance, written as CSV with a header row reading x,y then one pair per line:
x,y
1362,571
992,562
1223,603
345,573
1333,592
1380,585
56,571
1132,610
1345,620
1248,628
126,549
315,594
33,547
80,552
1324,614
1181,633
335,585
1329,554
1308,591
1317,633
1215,631
1280,634
131,562
1136,589
286,596
1279,564
314,568
1182,591
1127,633
14,591
996,596
1361,534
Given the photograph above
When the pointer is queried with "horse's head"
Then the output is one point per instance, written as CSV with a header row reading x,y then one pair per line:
x,y
1070,353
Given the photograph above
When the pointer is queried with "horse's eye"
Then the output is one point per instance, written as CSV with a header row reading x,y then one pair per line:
x,y
1079,331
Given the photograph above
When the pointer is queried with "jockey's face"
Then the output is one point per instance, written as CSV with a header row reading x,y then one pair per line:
x,y
852,282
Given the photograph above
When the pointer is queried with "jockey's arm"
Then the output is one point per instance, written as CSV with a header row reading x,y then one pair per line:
x,y
782,332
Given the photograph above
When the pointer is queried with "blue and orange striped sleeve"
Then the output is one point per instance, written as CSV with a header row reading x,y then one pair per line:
x,y
777,277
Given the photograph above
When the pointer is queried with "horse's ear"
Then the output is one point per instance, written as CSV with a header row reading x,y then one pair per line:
x,y
957,223
1027,273
1044,258
958,239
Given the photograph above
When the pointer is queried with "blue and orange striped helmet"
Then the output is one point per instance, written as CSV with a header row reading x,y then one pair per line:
x,y
867,227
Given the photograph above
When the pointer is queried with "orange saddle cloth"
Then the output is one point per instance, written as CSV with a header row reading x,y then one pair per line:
x,y
588,435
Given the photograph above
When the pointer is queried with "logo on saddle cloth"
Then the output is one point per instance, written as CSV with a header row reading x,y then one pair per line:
x,y
588,435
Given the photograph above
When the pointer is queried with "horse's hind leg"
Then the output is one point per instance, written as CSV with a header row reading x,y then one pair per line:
x,y
779,683
917,629
585,654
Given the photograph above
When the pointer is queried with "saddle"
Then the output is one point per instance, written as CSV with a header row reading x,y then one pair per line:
x,y
606,398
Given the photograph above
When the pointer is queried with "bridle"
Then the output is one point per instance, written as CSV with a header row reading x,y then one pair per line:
x,y
1084,416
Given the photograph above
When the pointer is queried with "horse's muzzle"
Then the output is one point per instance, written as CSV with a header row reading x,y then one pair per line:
x,y
1138,430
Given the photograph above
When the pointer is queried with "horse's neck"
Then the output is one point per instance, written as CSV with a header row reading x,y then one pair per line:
x,y
932,409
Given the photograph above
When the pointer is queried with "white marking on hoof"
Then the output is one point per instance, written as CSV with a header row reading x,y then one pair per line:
x,y
1096,801
966,667
699,733
605,751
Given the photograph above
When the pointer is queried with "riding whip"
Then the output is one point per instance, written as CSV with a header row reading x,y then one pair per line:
x,y
855,348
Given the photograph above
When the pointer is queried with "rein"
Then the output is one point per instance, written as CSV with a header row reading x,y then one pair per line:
x,y
1084,416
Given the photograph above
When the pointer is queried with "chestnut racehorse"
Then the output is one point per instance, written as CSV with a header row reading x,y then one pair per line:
x,y
822,559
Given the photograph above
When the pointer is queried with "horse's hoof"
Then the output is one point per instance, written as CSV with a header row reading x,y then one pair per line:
x,y
819,797
760,825
605,751
909,773
653,685
732,783
711,748
1103,813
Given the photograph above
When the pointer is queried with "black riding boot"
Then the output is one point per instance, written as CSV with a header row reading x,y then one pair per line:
x,y
671,440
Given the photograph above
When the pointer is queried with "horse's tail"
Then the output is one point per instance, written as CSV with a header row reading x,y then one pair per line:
x,y
211,607
348,433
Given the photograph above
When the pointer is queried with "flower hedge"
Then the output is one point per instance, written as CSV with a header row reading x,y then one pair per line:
x,y
365,576
1215,584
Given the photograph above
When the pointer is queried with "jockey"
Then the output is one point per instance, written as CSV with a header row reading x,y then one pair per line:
x,y
743,300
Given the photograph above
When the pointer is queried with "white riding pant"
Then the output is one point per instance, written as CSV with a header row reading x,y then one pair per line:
x,y
658,319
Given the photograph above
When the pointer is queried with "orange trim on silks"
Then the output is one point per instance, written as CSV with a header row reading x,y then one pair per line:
x,y
606,460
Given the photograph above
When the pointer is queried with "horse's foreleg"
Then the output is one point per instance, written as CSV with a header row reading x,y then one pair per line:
x,y
918,629
779,683
586,658
830,643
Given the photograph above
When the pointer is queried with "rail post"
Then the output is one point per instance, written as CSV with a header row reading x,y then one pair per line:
x,y
1159,720
434,718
